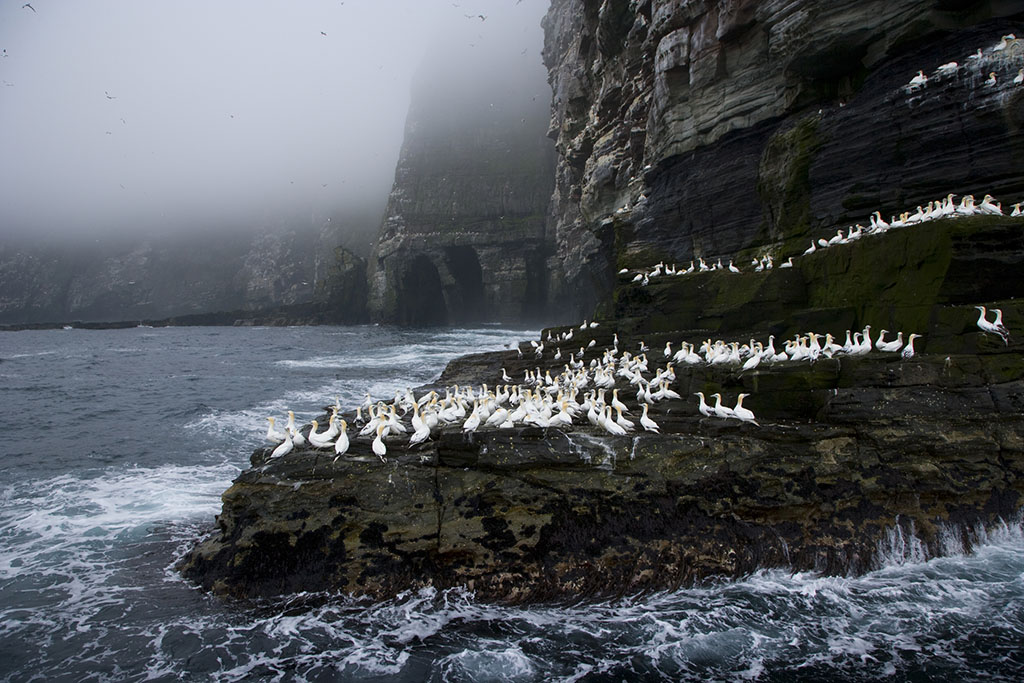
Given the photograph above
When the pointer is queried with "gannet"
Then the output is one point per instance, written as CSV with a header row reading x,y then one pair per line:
x,y
719,409
647,423
623,422
703,407
296,435
976,55
985,326
342,443
1003,42
788,263
378,443
908,350
811,249
274,435
473,421
1019,78
990,206
284,448
732,268
741,413
894,345
947,68
918,81
991,80
318,440
1016,210
609,425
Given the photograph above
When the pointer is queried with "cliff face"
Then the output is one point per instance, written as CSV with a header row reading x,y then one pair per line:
x,y
463,237
847,448
159,278
698,128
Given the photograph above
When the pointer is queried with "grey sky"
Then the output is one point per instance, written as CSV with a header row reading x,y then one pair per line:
x,y
176,114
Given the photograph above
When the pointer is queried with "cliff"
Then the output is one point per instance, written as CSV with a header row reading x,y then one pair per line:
x,y
846,448
464,235
159,278
732,130
688,129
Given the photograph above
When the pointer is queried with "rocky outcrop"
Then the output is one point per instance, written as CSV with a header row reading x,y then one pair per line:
x,y
705,128
464,234
846,450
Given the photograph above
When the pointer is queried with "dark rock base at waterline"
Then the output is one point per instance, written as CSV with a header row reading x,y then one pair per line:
x,y
532,514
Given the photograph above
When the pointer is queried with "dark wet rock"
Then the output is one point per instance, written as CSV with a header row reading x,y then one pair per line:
x,y
847,449
696,128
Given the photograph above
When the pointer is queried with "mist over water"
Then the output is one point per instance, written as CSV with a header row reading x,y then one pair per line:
x,y
121,442
129,118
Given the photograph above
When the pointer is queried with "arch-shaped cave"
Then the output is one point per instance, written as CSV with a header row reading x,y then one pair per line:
x,y
421,300
466,297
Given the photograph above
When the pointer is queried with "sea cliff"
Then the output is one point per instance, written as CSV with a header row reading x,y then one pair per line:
x,y
717,132
847,449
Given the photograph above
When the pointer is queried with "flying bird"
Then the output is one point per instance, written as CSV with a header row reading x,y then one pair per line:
x,y
29,5
322,33
109,96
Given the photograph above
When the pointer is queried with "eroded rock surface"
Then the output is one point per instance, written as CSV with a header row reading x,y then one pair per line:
x,y
846,449
708,128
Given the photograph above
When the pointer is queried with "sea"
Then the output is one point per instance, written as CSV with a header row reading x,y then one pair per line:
x,y
115,446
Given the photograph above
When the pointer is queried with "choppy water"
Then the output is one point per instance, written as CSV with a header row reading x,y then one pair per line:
x,y
116,446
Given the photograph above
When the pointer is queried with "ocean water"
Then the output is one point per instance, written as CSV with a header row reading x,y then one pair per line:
x,y
115,448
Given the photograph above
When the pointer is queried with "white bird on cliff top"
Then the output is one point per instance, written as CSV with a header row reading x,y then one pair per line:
x,y
378,443
275,435
741,413
994,327
318,440
918,81
702,406
719,409
341,444
647,423
908,350
296,435
283,449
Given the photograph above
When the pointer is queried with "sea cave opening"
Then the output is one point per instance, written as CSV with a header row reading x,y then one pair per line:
x,y
466,297
423,303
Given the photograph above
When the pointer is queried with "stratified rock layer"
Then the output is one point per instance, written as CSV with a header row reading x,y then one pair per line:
x,y
847,449
696,128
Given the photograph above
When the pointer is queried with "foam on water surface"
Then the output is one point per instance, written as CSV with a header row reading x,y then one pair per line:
x,y
92,521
